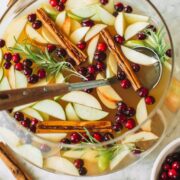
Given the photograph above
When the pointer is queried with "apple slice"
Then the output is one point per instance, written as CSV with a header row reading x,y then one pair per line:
x,y
32,113
96,17
109,72
108,91
82,98
74,25
79,34
134,28
94,31
61,165
134,43
133,18
34,35
91,49
109,104
142,115
89,113
11,77
44,116
18,108
105,16
70,113
43,82
52,12
111,61
4,84
1,73
60,19
120,24
140,136
50,107
66,27
59,78
137,57
109,6
48,37
55,137
21,80
74,17
1,56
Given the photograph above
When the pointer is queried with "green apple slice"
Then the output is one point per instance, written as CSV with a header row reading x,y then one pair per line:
x,y
61,165
96,17
91,49
75,25
1,73
55,137
59,78
34,35
44,116
94,31
70,113
109,6
18,108
133,18
120,24
60,19
21,80
48,37
89,113
109,72
83,98
11,77
52,12
1,56
32,113
134,28
79,34
137,57
4,84
134,43
111,61
66,27
73,16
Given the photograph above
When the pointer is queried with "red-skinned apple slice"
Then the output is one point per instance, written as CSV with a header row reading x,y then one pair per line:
x,y
66,27
120,24
133,18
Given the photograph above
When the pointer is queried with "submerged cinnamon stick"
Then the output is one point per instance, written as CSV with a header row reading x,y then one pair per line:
x,y
73,51
11,162
73,126
121,59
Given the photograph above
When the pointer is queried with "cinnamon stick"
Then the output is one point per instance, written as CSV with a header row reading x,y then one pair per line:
x,y
123,62
61,38
73,126
11,162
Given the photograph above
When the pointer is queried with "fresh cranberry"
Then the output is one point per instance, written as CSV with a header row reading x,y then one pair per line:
x,y
53,3
169,159
31,17
97,136
19,116
88,90
45,148
104,2
71,61
125,84
33,79
32,129
119,39
115,13
63,1
151,27
100,56
166,167
61,52
19,66
130,112
122,107
141,36
82,171
27,71
37,24
81,45
26,122
169,53
87,23
164,176
176,165
128,9
2,43
172,173
66,141
27,63
16,58
143,92
51,48
102,46
117,127
120,119
135,67
149,100
75,137
100,66
90,77
8,56
121,75
91,69
41,73
83,71
60,7
78,163
34,122
130,124
108,136
7,65
119,7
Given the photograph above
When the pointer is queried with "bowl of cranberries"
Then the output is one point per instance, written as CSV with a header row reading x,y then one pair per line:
x,y
167,164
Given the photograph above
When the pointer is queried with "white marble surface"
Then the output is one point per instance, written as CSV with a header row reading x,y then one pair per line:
x,y
141,170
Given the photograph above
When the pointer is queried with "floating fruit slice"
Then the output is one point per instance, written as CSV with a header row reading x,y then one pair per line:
x,y
70,113
50,107
73,16
52,12
60,19
55,137
59,78
109,72
4,84
61,165
11,77
44,116
133,18
120,24
66,27
1,73
134,43
137,57
111,61
74,25
1,56
89,113
82,98
18,108
109,6
20,80
96,17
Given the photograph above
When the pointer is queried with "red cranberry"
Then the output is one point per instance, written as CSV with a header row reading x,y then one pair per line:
x,y
91,69
63,1
120,119
172,173
121,75
119,39
128,9
90,77
34,122
100,66
88,90
8,56
141,36
75,137
130,112
122,107
87,23
164,176
41,73
125,84
169,159
82,171
31,17
61,52
32,129
16,58
19,66
19,116
153,28
100,56
143,92
104,2
82,71
45,148
102,47
37,24
66,141
117,127
27,71
130,124
33,79
71,61
2,43
135,67
81,45
108,136
149,100
176,165
97,136
26,122
166,167
78,163
60,7
7,65
53,3
169,53
119,7
27,63
51,48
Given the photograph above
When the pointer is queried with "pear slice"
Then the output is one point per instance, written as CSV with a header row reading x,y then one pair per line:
x,y
60,164
94,31
52,12
70,113
133,29
1,56
55,137
120,24
111,61
34,35
60,19
91,49
142,115
18,108
96,18
11,77
21,80
66,27
89,113
74,25
1,74
79,34
109,6
133,18
4,84
137,57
